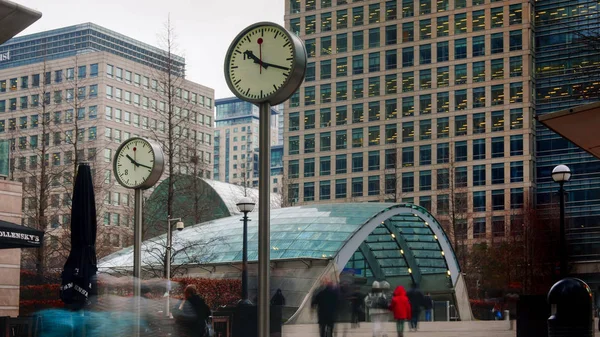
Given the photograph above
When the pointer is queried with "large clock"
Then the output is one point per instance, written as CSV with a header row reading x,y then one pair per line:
x,y
138,163
265,63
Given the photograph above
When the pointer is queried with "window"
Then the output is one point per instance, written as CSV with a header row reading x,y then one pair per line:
x,y
374,62
460,125
374,38
408,157
408,8
460,176
460,23
408,182
357,16
310,71
341,92
357,137
341,115
408,106
309,167
443,51
93,91
325,69
408,131
478,149
443,77
425,155
516,171
479,73
374,160
478,20
309,143
478,175
479,97
425,129
515,14
498,173
479,201
340,139
310,26
443,204
425,180
326,22
391,133
460,99
497,42
478,228
357,89
460,150
460,49
516,119
497,69
498,94
497,17
516,66
442,25
374,86
357,162
516,92
309,95
310,45
408,81
443,127
357,113
425,29
325,190
516,198
391,35
390,158
479,46
516,40
326,45
342,19
497,147
391,59
357,64
374,111
294,145
325,93
425,54
390,10
408,57
325,166
94,70
443,153
498,120
341,163
408,32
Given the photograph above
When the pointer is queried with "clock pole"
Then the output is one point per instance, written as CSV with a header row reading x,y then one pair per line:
x,y
137,258
264,217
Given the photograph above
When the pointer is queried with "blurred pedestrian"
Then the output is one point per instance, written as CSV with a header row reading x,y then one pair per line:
x,y
378,306
357,306
417,300
428,304
278,298
191,314
326,303
400,307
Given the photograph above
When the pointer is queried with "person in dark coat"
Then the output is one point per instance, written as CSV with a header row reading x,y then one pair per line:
x,y
356,303
428,304
191,314
326,302
417,300
278,298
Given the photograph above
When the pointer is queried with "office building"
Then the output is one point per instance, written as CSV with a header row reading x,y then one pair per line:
x,y
236,148
427,102
74,94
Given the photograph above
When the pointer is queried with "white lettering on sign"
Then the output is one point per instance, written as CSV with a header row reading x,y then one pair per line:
x,y
22,236
5,56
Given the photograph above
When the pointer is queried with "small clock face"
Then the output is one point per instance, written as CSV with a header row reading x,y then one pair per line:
x,y
260,62
134,162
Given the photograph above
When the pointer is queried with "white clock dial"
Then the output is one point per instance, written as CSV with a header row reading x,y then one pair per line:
x,y
134,162
260,62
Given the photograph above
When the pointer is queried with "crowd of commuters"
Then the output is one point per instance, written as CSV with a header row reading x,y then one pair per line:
x,y
335,303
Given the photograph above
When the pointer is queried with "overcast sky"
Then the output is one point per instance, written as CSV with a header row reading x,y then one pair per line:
x,y
204,28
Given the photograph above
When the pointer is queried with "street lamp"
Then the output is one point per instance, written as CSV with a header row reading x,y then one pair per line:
x,y
179,225
561,174
245,205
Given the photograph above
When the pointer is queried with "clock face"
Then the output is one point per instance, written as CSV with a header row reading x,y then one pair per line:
x,y
134,162
260,61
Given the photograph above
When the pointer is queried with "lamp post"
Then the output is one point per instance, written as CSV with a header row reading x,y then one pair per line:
x,y
245,205
179,225
561,174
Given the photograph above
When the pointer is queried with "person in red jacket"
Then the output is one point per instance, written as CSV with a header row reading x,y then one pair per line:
x,y
401,309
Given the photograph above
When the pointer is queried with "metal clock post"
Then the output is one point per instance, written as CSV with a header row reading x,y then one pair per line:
x,y
138,165
265,64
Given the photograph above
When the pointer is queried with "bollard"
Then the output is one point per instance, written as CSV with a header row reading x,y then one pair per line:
x,y
571,314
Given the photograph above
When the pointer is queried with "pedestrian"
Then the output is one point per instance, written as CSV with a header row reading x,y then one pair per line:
x,y
428,304
416,299
400,307
278,298
191,314
326,303
357,307
378,306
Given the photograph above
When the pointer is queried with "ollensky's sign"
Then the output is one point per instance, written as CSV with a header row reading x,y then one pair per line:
x,y
21,236
5,56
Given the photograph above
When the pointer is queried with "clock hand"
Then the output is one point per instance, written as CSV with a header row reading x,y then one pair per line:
x,y
260,41
132,160
275,66
148,167
251,56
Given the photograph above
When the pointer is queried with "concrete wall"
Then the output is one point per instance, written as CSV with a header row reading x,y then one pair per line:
x,y
11,194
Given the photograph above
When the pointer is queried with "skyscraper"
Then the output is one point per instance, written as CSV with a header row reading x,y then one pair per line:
x,y
428,102
74,94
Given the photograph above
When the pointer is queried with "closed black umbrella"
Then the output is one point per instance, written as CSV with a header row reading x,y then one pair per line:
x,y
79,275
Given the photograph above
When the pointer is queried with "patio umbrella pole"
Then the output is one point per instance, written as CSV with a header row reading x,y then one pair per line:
x,y
137,259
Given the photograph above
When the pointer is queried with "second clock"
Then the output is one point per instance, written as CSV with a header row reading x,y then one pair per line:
x,y
138,163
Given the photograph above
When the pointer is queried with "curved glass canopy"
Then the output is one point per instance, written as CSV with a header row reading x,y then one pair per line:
x,y
380,239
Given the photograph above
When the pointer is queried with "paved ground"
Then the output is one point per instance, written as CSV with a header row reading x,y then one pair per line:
x,y
429,329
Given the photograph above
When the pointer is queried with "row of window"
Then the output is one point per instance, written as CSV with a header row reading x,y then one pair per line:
x,y
481,45
33,81
357,164
327,21
463,98
144,81
58,117
150,103
32,162
56,96
390,8
58,138
388,190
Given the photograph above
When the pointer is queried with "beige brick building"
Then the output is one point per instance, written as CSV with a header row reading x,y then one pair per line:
x,y
427,102
76,93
